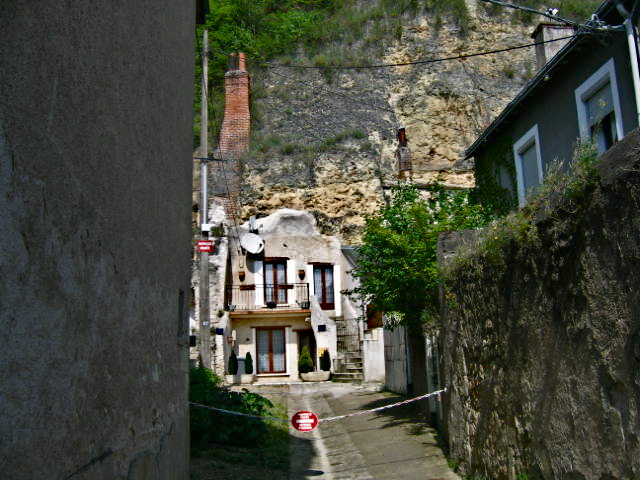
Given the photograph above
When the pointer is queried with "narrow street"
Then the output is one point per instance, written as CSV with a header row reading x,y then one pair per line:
x,y
390,444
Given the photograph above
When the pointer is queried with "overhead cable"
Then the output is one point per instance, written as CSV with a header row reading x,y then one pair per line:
x,y
416,62
594,25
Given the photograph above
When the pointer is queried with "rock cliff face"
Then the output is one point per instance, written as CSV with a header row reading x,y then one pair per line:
x,y
325,141
542,347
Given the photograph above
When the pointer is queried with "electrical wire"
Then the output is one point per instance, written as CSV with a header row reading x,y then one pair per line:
x,y
594,25
416,62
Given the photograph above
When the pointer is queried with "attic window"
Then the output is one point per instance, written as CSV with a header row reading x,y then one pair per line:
x,y
598,104
528,163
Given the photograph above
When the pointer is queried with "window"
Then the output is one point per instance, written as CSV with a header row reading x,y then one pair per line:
x,y
598,103
275,281
271,350
323,286
528,163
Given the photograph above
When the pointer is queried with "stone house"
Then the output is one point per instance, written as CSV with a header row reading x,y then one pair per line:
x,y
587,89
277,286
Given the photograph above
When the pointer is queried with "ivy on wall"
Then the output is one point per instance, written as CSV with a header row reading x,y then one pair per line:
x,y
497,157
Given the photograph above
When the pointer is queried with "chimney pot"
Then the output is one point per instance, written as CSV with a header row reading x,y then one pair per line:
x,y
241,63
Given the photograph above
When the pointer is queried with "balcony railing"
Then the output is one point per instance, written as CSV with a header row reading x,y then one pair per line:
x,y
290,296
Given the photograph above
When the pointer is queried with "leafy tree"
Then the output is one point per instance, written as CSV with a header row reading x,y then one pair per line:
x,y
397,260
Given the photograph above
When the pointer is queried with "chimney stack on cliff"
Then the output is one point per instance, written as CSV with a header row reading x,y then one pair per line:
x,y
403,154
546,32
234,135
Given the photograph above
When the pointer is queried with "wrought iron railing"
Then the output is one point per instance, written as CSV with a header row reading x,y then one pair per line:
x,y
257,297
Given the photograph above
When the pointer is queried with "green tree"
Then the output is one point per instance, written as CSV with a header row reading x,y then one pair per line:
x,y
397,260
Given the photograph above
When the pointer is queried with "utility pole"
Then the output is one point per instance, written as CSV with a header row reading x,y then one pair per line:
x,y
205,322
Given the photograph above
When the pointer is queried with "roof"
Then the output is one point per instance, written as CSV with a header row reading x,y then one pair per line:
x,y
570,48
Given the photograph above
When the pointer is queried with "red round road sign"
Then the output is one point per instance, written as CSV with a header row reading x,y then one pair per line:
x,y
304,421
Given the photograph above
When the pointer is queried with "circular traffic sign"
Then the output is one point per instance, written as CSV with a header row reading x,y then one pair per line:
x,y
304,421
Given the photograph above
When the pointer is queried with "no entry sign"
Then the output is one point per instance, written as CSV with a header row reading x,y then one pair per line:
x,y
304,421
205,245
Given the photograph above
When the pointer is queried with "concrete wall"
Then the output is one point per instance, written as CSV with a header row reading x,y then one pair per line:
x,y
542,340
95,179
373,355
396,360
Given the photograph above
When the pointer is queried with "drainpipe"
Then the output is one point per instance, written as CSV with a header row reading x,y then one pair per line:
x,y
633,53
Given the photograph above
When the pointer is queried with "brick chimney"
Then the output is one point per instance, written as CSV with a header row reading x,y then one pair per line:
x,y
403,154
550,31
234,136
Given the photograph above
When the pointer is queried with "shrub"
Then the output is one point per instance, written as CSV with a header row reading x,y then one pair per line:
x,y
209,426
233,363
305,364
248,364
325,361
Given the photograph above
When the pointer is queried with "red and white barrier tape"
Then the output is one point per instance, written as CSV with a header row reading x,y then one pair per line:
x,y
330,419
404,402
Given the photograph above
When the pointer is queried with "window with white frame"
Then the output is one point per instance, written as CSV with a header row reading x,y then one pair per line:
x,y
528,161
598,104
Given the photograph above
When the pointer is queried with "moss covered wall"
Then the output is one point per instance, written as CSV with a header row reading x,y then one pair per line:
x,y
542,340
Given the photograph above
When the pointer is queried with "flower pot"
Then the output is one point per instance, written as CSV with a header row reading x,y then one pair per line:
x,y
247,378
315,376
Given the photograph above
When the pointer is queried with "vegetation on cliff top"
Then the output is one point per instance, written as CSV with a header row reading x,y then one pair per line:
x,y
265,29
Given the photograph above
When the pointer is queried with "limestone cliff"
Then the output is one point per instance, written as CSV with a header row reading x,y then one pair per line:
x,y
325,140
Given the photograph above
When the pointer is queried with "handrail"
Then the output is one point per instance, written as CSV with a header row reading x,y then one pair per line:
x,y
291,296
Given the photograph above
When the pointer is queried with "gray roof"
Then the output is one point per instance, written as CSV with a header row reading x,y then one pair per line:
x,y
542,76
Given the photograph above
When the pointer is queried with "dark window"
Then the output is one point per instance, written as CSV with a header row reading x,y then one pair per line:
x,y
275,281
323,286
271,350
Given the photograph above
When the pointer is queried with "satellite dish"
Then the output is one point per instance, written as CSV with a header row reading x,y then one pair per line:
x,y
252,243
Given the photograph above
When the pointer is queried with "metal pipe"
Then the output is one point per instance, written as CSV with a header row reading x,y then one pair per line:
x,y
633,52
633,56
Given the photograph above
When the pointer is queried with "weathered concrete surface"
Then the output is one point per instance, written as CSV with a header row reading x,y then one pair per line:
x,y
542,340
95,167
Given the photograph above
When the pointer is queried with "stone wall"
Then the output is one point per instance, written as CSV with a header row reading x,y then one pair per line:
x,y
542,341
95,178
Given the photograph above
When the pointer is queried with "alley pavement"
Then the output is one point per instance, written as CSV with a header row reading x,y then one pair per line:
x,y
391,444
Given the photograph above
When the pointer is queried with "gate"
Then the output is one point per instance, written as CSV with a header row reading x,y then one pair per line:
x,y
348,333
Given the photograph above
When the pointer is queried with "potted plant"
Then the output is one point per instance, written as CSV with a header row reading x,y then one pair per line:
x,y
305,368
232,367
248,369
325,361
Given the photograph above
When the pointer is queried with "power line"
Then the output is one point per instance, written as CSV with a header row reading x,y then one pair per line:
x,y
594,25
416,62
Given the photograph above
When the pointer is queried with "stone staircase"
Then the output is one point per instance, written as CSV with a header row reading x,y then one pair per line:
x,y
351,369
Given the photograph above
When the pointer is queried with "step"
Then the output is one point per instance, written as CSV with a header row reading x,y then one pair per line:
x,y
348,377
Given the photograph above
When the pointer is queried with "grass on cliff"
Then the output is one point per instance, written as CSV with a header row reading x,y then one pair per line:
x,y
327,32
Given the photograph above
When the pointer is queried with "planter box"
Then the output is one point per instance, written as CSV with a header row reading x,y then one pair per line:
x,y
242,379
315,376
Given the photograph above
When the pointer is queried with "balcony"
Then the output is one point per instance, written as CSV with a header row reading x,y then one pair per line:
x,y
290,296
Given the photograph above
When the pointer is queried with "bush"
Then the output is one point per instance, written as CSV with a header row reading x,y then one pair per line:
x,y
233,363
325,361
305,364
209,427
248,364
